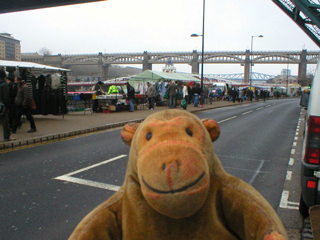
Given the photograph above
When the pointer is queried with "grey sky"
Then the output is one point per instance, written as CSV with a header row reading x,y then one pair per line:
x,y
118,26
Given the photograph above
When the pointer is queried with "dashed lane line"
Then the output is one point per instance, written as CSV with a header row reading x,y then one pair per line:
x,y
247,112
227,119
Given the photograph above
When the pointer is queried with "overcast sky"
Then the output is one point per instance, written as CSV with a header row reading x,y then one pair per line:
x,y
127,26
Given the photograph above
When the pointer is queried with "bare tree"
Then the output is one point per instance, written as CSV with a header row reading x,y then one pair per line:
x,y
45,51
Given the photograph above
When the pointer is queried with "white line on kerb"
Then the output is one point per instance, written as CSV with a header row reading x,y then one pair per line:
x,y
289,175
291,161
284,203
67,177
247,112
227,119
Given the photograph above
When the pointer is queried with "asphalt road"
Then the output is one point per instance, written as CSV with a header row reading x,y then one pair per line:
x,y
46,190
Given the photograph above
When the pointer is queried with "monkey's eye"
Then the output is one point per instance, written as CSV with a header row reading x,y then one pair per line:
x,y
189,132
149,135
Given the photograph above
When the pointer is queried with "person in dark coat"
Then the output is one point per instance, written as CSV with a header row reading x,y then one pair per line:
x,y
234,95
172,91
190,95
5,99
131,96
98,91
13,89
23,104
196,90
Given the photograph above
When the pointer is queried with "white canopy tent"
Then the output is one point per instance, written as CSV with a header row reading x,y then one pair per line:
x,y
7,63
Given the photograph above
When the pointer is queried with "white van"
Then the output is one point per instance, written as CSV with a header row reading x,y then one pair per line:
x,y
310,170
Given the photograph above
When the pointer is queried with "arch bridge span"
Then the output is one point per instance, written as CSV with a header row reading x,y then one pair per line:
x,y
193,58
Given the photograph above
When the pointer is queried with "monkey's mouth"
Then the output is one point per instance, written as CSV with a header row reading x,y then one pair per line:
x,y
182,189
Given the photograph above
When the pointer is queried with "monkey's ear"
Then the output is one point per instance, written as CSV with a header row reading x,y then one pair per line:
x,y
212,127
128,132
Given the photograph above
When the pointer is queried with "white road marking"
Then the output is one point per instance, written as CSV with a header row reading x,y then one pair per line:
x,y
284,203
67,177
89,183
259,108
294,144
295,138
256,173
268,106
293,151
227,119
247,112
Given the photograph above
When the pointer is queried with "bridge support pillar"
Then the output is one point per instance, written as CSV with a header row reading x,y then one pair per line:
x,y
302,74
102,69
53,60
146,65
194,63
247,67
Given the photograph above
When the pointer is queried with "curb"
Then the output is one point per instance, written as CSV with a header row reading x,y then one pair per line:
x,y
59,136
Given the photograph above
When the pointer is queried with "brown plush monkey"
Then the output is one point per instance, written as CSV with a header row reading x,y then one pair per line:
x,y
175,188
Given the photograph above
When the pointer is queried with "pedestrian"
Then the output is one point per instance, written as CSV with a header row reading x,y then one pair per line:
x,y
201,100
234,94
172,91
185,93
151,94
190,95
13,89
206,95
131,96
211,95
23,106
98,91
250,95
240,96
263,95
196,90
4,100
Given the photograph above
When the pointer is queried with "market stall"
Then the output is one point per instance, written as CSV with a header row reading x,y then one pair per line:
x,y
160,79
47,84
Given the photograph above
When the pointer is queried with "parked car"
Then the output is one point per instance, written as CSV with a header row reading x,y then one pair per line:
x,y
310,170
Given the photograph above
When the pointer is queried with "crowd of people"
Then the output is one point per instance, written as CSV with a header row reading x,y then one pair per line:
x,y
16,99
194,94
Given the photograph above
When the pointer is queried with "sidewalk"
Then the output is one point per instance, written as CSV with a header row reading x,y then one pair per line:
x,y
53,127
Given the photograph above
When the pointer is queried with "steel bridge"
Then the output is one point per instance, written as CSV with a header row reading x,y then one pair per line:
x,y
305,13
193,58
240,76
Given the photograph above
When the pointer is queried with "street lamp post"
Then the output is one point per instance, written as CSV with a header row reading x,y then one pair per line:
x,y
197,35
251,60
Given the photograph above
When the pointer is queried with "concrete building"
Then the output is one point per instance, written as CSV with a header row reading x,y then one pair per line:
x,y
10,48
